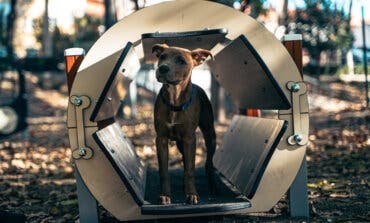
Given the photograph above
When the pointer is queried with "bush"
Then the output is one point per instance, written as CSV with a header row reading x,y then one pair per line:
x,y
314,70
358,69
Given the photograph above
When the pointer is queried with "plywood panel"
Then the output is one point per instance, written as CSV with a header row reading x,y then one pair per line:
x,y
246,150
246,78
121,153
116,87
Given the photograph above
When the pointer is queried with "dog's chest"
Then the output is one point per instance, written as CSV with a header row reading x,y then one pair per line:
x,y
175,131
180,124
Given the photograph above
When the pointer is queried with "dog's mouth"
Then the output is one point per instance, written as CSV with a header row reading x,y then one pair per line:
x,y
171,82
175,82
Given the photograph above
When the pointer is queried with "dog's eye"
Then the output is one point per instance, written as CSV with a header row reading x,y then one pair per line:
x,y
180,61
163,56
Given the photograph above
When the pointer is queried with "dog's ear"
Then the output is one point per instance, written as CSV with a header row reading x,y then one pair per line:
x,y
158,49
200,55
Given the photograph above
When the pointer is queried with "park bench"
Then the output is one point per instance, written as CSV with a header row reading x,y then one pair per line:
x,y
259,157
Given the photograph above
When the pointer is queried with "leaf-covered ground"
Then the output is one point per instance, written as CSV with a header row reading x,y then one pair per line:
x,y
36,176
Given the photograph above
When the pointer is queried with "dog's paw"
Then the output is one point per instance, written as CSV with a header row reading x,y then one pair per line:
x,y
192,199
164,200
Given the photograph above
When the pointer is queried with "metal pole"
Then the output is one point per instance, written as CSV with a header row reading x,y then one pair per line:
x,y
364,48
87,205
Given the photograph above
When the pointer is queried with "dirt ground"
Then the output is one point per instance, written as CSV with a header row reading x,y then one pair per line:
x,y
36,176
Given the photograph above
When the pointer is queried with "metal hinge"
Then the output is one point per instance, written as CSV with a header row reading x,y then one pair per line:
x,y
82,151
298,113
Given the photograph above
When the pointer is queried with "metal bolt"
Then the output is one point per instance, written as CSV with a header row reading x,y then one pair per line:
x,y
295,87
82,151
298,138
77,101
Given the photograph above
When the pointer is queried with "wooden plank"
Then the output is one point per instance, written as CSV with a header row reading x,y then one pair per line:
x,y
174,209
253,112
294,47
73,59
298,195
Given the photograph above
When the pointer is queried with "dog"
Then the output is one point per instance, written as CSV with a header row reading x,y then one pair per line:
x,y
180,108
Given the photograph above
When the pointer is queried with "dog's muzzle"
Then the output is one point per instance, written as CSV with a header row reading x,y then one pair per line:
x,y
163,69
162,74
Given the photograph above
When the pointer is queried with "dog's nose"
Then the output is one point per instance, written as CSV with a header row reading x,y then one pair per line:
x,y
164,68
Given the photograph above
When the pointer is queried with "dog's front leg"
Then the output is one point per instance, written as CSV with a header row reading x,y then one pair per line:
x,y
189,146
162,155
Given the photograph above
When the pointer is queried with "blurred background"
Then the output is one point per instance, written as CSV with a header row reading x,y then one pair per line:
x,y
39,28
36,176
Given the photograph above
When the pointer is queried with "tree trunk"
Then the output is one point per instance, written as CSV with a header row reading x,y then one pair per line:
x,y
110,13
348,52
283,17
317,59
349,13
136,2
350,64
10,30
46,36
253,12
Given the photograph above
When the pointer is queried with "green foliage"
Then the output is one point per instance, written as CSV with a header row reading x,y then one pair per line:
x,y
86,33
323,28
61,42
358,69
87,29
255,5
258,5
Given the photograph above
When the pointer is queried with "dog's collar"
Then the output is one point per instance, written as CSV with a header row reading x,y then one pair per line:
x,y
180,107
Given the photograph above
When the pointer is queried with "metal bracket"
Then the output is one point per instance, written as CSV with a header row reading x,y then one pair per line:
x,y
82,151
299,137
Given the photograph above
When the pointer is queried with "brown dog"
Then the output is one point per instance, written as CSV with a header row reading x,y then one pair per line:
x,y
179,109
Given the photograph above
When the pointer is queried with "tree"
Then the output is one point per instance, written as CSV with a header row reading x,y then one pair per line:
x,y
10,30
253,7
283,17
86,34
110,13
137,6
323,28
47,48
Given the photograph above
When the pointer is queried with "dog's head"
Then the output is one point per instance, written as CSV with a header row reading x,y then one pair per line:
x,y
175,64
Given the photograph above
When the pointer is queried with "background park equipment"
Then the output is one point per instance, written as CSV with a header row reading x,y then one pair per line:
x,y
13,100
101,170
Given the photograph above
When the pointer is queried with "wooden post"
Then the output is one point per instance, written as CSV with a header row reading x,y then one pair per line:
x,y
293,43
87,205
253,112
73,58
298,195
